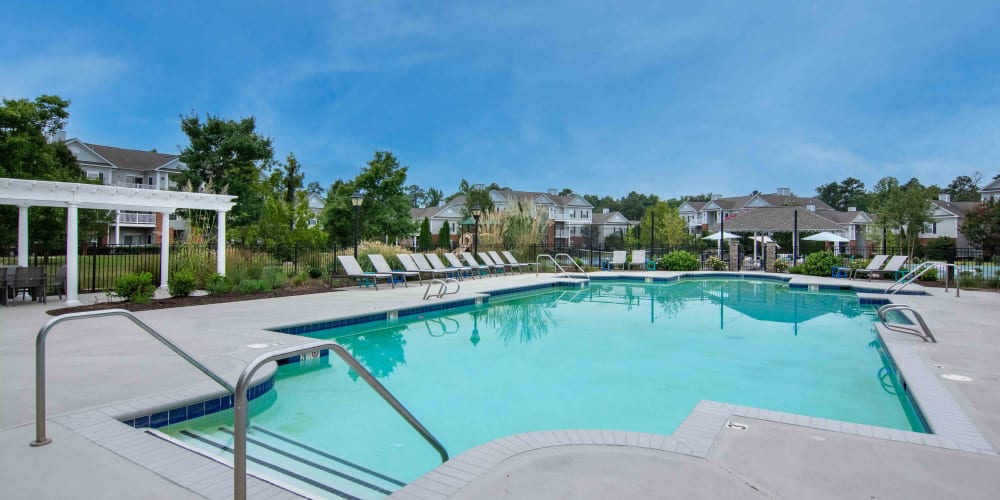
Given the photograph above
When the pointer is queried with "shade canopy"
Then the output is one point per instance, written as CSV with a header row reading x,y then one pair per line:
x,y
779,219
827,236
722,235
763,239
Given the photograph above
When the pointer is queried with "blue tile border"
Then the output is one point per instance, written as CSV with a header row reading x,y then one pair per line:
x,y
196,410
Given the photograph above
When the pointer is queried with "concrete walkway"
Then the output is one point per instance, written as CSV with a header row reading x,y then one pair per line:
x,y
97,366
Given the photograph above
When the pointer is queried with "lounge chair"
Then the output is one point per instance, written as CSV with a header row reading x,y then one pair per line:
x,y
381,266
436,263
499,260
618,258
502,267
353,270
478,268
495,269
875,264
426,267
638,259
891,268
512,260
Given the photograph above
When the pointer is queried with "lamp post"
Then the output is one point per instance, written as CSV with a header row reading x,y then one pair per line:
x,y
356,200
476,212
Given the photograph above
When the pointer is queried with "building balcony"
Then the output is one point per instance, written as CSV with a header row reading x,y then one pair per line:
x,y
137,219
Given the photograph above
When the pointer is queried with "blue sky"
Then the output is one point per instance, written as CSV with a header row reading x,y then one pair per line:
x,y
669,98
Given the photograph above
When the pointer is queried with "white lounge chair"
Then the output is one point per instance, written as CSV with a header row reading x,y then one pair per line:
x,y
895,263
478,269
512,260
618,258
501,267
353,270
638,259
495,269
499,260
407,261
426,267
436,263
381,266
874,265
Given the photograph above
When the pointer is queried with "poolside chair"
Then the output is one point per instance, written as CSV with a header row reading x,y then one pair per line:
x,y
512,260
381,266
353,270
477,268
426,267
891,268
875,264
499,260
638,259
618,258
501,267
495,269
436,263
30,280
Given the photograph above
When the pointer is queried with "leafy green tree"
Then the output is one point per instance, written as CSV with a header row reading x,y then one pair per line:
x,y
416,195
565,192
286,216
602,202
982,226
231,157
669,228
433,197
850,192
965,188
475,195
425,241
315,188
444,236
385,211
906,209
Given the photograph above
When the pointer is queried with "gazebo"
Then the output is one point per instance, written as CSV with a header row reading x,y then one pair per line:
x,y
780,219
25,193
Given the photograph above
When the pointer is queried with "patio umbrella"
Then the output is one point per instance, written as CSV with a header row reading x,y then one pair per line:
x,y
722,235
826,236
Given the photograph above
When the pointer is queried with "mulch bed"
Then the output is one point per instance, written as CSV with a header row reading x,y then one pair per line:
x,y
309,287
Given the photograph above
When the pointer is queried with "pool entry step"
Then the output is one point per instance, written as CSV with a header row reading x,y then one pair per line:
x,y
309,470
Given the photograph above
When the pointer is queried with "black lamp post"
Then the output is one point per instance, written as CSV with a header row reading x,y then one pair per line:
x,y
652,232
476,212
356,200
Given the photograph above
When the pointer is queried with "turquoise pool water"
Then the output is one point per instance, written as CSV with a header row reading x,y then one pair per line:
x,y
627,356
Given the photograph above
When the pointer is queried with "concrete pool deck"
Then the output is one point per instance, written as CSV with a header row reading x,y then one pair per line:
x,y
104,367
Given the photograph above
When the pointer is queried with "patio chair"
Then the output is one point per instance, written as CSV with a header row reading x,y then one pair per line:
x,y
875,264
495,269
60,282
353,270
510,258
638,259
618,258
426,267
30,280
478,268
499,260
437,264
891,268
501,267
381,266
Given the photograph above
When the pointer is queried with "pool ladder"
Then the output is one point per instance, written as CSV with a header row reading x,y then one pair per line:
x,y
555,261
442,289
919,271
924,332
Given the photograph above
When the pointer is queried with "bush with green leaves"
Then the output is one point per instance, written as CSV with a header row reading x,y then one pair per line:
x,y
820,263
315,272
781,266
181,283
217,284
249,286
930,275
680,260
942,249
716,264
797,269
274,278
136,287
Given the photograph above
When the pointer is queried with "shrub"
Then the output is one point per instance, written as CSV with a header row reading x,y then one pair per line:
x,y
181,283
680,260
781,266
315,272
716,264
797,269
217,284
942,248
820,263
930,275
300,278
249,286
135,287
273,278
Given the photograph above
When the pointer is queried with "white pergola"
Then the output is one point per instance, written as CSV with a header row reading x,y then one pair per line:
x,y
30,193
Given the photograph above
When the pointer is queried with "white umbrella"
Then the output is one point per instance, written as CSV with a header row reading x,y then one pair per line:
x,y
827,236
763,239
723,235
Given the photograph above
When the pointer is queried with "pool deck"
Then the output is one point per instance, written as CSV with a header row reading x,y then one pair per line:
x,y
105,368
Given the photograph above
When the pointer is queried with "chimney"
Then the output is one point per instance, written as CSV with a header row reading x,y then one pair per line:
x,y
811,208
852,209
945,197
606,210
784,191
552,191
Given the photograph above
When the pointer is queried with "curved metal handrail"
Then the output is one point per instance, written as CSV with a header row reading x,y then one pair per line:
x,y
241,403
40,439
555,262
919,271
442,287
571,259
884,310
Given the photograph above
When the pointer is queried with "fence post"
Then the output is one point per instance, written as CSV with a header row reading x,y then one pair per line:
x,y
93,267
295,257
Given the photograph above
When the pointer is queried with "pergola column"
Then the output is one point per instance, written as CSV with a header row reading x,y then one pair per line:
x,y
220,243
164,248
22,235
118,227
72,254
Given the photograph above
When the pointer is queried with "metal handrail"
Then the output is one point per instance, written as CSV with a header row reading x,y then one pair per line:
x,y
241,416
442,287
884,310
556,263
40,439
919,271
571,259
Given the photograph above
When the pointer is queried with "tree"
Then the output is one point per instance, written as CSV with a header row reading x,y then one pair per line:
x,y
314,188
565,192
385,211
982,226
906,209
231,157
669,228
475,194
634,205
416,195
965,188
433,197
850,192
444,236
425,242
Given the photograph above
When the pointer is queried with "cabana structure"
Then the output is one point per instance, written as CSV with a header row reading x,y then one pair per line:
x,y
25,193
780,219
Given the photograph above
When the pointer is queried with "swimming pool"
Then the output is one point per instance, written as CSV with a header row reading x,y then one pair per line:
x,y
613,355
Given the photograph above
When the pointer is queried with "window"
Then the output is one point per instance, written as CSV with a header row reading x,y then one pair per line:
x,y
930,228
313,222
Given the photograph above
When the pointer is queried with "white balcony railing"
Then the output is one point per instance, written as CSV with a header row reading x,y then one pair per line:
x,y
137,218
562,233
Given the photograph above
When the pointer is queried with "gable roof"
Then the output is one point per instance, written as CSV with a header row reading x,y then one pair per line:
x,y
604,218
132,158
780,219
695,205
993,186
856,217
958,208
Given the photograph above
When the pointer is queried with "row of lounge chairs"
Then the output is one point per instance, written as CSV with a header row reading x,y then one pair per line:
x,y
874,267
430,265
620,258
